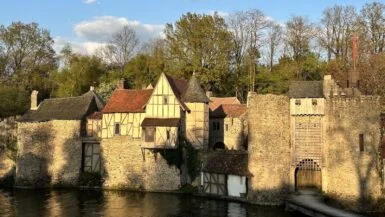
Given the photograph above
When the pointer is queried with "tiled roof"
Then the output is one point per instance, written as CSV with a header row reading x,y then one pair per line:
x,y
69,108
160,122
306,89
123,100
95,116
194,92
215,102
228,110
226,162
177,85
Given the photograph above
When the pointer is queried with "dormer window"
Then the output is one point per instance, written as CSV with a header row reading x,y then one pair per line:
x,y
314,102
165,100
297,102
117,129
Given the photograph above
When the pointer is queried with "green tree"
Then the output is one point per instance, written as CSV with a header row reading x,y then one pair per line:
x,y
26,55
201,44
77,77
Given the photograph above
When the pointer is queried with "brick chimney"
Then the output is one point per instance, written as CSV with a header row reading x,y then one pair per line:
x,y
120,84
209,94
34,100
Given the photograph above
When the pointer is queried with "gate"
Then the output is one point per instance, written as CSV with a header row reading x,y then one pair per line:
x,y
308,175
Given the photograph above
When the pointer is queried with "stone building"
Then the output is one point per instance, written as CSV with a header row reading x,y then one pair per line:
x,y
140,128
228,123
49,139
321,136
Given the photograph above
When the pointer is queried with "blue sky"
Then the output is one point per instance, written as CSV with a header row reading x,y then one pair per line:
x,y
87,23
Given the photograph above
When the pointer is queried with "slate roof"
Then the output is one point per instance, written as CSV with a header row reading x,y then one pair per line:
x,y
194,92
226,162
124,100
229,110
178,86
161,122
69,108
306,89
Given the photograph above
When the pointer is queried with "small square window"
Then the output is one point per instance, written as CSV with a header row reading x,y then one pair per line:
x,y
314,102
297,102
117,129
165,100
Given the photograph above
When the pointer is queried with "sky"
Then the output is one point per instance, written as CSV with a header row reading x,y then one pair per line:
x,y
87,24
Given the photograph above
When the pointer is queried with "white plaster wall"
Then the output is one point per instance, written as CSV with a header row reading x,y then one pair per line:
x,y
236,185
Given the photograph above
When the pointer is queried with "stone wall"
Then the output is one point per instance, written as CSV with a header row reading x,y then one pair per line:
x,y
234,134
125,167
8,133
269,148
353,175
49,153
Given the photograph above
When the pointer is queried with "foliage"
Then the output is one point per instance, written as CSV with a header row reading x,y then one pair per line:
x,y
201,44
15,101
77,77
184,154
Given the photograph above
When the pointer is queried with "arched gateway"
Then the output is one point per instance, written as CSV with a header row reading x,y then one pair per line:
x,y
308,175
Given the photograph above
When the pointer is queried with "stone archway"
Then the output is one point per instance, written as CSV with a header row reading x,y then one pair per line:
x,y
219,145
308,175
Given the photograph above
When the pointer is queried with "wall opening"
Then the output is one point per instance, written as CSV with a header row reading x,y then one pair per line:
x,y
308,175
219,145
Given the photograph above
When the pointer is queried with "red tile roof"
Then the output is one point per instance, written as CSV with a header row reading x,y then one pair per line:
x,y
228,110
215,102
123,100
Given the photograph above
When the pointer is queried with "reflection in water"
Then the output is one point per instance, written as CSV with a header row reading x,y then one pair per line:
x,y
122,203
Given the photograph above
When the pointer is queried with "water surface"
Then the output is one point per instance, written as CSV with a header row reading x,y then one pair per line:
x,y
25,203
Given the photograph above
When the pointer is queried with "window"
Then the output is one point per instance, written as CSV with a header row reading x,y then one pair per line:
x,y
149,134
91,157
227,127
168,134
216,126
117,129
361,138
314,102
165,100
297,102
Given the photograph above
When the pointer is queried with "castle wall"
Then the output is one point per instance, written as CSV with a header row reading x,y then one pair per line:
x,y
269,148
126,167
8,133
48,153
352,174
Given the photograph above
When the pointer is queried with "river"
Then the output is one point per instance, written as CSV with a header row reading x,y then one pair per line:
x,y
72,203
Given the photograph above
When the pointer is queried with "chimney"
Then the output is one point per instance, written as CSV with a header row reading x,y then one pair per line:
x,y
209,94
34,100
120,84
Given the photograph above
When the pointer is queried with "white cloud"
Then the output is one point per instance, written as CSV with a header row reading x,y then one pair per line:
x,y
220,13
89,1
86,47
100,29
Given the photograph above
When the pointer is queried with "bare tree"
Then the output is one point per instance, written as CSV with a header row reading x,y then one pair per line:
x,y
372,20
248,28
299,33
274,38
338,25
121,48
